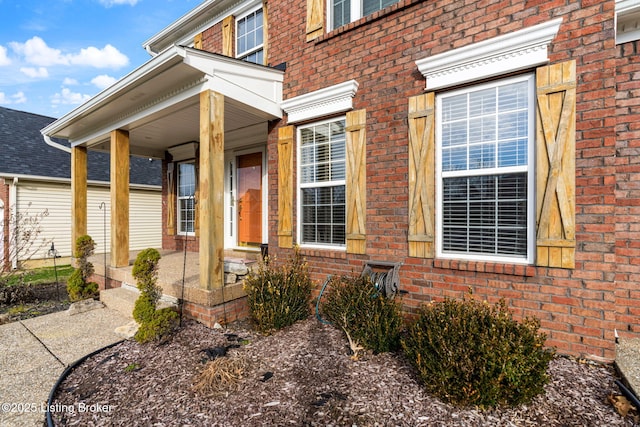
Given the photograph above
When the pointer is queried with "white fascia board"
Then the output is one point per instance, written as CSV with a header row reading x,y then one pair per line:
x,y
322,102
511,52
627,21
22,179
103,97
230,89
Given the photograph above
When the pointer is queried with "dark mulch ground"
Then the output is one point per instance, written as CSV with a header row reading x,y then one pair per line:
x,y
302,376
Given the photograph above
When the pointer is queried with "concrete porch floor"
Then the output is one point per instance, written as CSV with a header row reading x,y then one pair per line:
x,y
171,267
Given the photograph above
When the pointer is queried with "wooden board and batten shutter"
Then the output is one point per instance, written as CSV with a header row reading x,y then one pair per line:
x,y
555,169
422,175
227,35
285,187
315,19
356,191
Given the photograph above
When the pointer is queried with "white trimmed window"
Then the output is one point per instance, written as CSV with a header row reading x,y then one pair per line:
x,y
250,37
321,172
484,171
344,11
186,197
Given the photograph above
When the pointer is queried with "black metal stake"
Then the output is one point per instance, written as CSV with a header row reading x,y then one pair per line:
x,y
103,207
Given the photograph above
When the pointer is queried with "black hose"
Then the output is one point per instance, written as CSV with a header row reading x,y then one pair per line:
x,y
66,373
318,301
628,394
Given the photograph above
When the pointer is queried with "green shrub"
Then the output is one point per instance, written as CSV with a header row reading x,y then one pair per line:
x,y
472,353
160,326
370,319
155,325
78,286
279,296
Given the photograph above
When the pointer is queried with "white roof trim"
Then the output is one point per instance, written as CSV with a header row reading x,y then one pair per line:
x,y
515,51
322,102
627,21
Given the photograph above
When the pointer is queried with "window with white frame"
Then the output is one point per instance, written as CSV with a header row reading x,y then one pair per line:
x,y
344,11
484,171
321,172
186,197
250,37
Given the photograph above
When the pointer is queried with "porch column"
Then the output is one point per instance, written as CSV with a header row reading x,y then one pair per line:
x,y
211,189
119,198
78,194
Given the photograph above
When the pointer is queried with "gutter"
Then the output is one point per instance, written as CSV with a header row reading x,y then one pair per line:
x,y
50,142
92,183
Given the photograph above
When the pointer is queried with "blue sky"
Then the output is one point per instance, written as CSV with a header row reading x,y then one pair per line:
x,y
55,54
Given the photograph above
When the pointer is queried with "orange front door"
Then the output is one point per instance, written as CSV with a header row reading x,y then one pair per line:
x,y
249,173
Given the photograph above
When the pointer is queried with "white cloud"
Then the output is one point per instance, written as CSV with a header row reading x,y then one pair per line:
x,y
66,97
4,59
35,73
17,98
107,57
36,52
68,81
109,3
103,81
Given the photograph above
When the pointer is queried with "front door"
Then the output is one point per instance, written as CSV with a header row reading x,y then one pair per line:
x,y
249,199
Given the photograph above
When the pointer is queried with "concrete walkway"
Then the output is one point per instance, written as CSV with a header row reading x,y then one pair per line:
x,y
34,352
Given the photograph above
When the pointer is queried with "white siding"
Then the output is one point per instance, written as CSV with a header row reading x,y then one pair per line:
x,y
145,211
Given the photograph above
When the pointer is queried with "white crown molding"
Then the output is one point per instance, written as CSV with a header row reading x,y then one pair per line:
x,y
322,102
627,21
515,51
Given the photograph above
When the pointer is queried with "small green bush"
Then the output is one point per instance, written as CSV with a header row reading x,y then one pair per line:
x,y
472,353
155,325
78,286
370,319
279,296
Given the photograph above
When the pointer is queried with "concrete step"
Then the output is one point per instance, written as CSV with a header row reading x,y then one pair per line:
x,y
628,362
123,299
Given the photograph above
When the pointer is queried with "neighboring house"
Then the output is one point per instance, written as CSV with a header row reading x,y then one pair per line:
x,y
35,178
486,146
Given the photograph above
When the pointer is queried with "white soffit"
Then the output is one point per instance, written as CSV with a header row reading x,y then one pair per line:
x,y
515,51
627,21
321,102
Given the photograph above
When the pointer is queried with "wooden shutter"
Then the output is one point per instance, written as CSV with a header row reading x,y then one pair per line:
x,y
356,178
555,168
197,41
265,34
315,19
421,175
227,35
285,187
171,199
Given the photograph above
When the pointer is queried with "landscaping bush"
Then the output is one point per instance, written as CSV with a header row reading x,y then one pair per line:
x,y
155,324
472,353
369,319
278,296
78,286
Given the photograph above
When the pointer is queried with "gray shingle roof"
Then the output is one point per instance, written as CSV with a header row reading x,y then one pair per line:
x,y
24,152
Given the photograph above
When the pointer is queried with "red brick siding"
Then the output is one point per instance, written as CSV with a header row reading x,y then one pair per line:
x,y
577,307
212,39
627,192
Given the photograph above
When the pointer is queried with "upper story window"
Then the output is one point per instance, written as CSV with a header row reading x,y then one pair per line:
x,y
250,37
484,171
186,198
322,183
344,11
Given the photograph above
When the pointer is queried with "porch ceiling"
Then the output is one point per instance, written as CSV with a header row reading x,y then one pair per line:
x,y
159,103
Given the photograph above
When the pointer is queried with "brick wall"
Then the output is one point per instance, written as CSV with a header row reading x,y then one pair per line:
x,y
576,307
627,251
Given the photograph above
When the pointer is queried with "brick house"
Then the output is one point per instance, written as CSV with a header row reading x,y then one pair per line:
x,y
483,145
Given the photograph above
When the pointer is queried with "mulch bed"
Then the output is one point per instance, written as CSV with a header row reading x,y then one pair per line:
x,y
301,376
